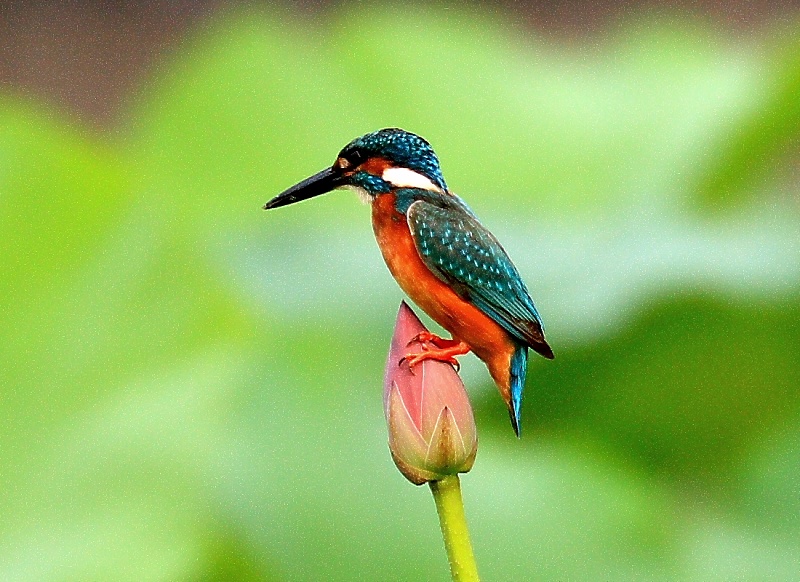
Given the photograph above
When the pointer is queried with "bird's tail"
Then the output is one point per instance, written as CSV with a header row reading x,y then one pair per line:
x,y
519,367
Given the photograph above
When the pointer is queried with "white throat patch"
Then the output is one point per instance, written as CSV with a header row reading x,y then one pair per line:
x,y
405,178
362,194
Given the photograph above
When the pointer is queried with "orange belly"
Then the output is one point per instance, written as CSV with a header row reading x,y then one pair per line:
x,y
490,342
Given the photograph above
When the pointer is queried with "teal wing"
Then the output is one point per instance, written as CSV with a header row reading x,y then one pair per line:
x,y
460,251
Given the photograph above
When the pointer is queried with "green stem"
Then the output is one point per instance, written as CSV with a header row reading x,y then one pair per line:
x,y
450,506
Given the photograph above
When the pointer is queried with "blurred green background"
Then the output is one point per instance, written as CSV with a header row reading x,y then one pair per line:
x,y
190,388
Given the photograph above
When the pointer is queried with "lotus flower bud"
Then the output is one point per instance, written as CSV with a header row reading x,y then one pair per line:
x,y
432,430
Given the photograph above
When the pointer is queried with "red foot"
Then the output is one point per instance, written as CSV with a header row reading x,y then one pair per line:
x,y
447,351
426,337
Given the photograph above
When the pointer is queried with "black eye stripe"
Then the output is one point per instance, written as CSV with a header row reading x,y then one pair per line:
x,y
355,157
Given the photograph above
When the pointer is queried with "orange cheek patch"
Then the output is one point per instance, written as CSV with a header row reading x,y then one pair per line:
x,y
375,166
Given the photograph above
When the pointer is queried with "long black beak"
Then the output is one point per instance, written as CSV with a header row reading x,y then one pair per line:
x,y
320,183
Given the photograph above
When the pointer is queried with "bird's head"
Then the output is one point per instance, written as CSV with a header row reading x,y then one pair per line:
x,y
373,164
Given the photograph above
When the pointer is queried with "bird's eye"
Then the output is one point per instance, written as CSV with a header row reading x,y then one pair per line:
x,y
355,157
349,159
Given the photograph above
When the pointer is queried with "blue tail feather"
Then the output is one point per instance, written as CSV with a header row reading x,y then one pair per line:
x,y
519,368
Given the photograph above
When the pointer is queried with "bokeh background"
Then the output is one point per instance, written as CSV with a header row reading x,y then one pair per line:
x,y
190,388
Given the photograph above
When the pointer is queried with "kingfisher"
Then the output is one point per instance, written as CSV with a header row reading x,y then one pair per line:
x,y
439,253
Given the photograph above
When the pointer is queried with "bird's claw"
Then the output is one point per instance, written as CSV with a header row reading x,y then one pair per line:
x,y
425,338
413,359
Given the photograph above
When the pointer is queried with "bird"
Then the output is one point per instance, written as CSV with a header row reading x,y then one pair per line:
x,y
441,256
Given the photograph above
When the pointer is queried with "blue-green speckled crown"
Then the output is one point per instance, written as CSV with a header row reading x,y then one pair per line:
x,y
405,149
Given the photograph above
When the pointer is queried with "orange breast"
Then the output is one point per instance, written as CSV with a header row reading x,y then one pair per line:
x,y
490,342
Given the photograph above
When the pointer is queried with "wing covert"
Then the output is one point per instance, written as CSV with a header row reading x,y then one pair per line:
x,y
463,253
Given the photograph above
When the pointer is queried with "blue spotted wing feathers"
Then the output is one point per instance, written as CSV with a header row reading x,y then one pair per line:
x,y
463,253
